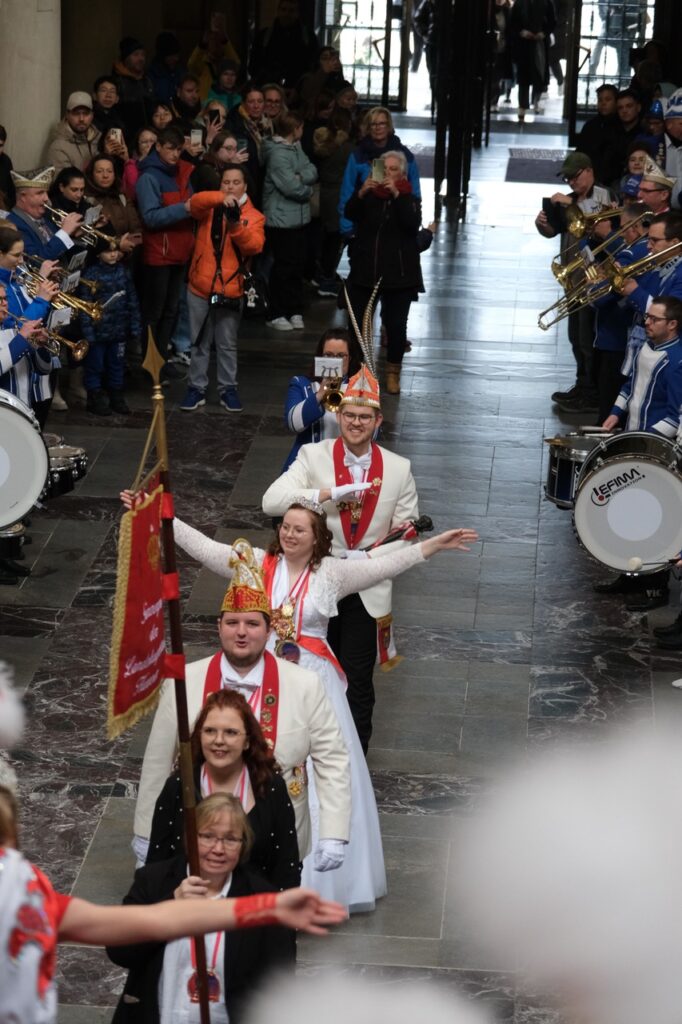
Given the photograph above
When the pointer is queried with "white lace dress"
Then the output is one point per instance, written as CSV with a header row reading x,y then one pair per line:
x,y
361,880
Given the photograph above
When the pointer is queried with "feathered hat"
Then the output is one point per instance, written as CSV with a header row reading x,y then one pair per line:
x,y
246,592
363,389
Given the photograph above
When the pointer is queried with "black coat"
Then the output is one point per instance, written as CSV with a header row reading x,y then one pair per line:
x,y
275,850
602,138
250,954
385,243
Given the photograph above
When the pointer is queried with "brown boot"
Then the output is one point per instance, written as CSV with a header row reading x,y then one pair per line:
x,y
393,378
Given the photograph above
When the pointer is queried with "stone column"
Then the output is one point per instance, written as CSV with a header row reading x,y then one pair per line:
x,y
30,76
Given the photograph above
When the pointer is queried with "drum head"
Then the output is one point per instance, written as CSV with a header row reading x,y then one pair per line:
x,y
630,508
23,461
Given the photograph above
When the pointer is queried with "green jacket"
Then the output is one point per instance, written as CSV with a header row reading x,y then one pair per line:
x,y
289,177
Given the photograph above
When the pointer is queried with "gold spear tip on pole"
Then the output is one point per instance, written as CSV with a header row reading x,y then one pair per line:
x,y
152,360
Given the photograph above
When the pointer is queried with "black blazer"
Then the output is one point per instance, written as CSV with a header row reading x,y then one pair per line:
x,y
250,954
385,243
275,851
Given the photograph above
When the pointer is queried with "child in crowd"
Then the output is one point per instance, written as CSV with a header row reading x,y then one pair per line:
x,y
224,89
105,362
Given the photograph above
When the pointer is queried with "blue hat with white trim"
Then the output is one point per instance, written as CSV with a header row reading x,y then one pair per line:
x,y
673,107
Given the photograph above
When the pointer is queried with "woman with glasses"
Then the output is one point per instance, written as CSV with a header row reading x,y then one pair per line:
x,y
223,150
230,755
162,982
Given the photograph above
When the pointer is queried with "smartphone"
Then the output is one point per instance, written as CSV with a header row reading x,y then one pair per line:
x,y
196,137
242,145
116,135
378,169
214,116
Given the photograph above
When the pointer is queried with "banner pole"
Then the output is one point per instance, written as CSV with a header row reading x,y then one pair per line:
x,y
153,364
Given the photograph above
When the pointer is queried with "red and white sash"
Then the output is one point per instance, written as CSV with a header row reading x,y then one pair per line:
x,y
267,694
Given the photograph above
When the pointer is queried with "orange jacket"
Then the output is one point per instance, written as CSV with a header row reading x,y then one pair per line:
x,y
249,237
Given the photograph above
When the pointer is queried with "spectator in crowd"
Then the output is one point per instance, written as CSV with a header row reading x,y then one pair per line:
x,y
332,146
142,144
222,151
673,143
161,116
638,153
629,110
251,127
347,99
67,193
213,118
186,104
274,101
284,51
328,76
230,230
163,193
531,24
227,763
601,137
287,188
104,364
166,70
305,413
6,183
387,217
656,188
425,23
208,55
75,140
105,105
503,73
378,139
104,188
135,87
225,87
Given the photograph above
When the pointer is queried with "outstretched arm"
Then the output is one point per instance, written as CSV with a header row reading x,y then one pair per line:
x,y
161,922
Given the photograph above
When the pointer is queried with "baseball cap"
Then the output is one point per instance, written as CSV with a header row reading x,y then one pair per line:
x,y
573,164
79,99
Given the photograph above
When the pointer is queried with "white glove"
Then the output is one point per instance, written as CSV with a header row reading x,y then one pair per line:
x,y
353,555
329,854
344,489
140,847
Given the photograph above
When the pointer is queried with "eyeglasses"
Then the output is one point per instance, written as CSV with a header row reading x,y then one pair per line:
x,y
351,417
208,839
655,319
211,734
647,191
568,178
378,124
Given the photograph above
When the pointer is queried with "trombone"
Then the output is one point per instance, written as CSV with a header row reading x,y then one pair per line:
x,y
79,349
580,224
599,281
564,272
32,281
87,233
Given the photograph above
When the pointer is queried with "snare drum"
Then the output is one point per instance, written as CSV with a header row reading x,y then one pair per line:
x,y
628,502
77,457
52,439
566,457
23,459
61,479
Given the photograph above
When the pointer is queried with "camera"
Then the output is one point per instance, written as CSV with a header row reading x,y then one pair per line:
x,y
232,213
219,301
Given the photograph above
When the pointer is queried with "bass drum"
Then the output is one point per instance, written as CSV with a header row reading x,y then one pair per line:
x,y
628,502
23,460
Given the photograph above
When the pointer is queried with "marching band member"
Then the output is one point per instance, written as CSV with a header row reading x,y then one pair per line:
x,y
290,703
367,490
40,235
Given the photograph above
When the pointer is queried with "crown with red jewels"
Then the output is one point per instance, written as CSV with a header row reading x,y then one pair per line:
x,y
246,592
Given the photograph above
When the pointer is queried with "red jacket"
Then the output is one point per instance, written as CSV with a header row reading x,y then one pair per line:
x,y
167,235
249,237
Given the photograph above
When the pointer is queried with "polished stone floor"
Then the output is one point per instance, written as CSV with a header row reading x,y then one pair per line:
x,y
504,647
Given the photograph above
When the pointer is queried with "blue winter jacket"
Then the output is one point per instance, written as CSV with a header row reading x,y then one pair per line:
x,y
359,167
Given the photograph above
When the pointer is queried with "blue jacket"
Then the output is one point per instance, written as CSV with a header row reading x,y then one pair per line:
x,y
359,167
666,280
33,243
652,395
121,320
302,415
614,315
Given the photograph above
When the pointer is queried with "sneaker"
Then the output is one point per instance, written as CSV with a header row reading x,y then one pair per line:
x,y
580,403
118,403
98,403
229,400
170,371
280,323
296,322
193,399
328,288
181,358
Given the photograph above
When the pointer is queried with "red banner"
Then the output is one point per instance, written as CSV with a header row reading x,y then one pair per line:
x,y
136,667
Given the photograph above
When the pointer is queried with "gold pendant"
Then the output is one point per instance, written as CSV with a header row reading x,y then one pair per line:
x,y
287,609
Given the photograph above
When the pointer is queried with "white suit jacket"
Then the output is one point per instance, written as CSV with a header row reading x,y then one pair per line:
x,y
306,725
313,470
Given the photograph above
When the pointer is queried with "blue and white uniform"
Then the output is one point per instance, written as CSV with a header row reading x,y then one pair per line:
x,y
651,397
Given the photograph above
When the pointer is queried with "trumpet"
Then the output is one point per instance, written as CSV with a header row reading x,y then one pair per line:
x,y
60,274
609,276
564,272
79,349
580,224
87,233
32,281
332,400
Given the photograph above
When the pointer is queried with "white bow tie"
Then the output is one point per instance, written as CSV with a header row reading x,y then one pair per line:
x,y
239,684
363,461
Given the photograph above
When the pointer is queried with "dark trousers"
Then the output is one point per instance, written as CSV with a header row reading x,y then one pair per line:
x,y
288,248
581,337
395,308
352,636
609,379
330,253
104,365
162,287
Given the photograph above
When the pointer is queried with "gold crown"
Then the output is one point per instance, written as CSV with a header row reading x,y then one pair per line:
x,y
246,592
